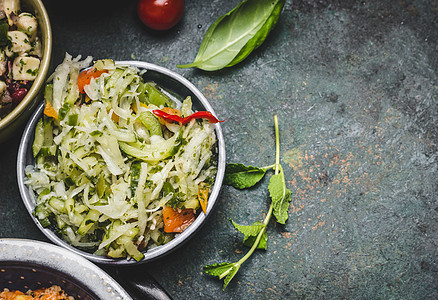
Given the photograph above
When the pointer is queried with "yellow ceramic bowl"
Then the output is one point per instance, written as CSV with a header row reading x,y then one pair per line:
x,y
14,122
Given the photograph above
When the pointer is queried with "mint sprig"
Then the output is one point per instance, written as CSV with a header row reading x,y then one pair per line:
x,y
255,236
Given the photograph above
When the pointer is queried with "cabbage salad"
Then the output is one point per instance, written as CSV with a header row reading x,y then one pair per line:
x,y
107,167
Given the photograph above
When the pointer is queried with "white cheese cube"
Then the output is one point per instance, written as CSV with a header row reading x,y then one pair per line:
x,y
3,60
25,68
2,87
36,48
28,24
20,43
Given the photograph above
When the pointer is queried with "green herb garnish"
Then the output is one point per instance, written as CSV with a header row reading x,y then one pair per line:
x,y
255,236
4,40
233,36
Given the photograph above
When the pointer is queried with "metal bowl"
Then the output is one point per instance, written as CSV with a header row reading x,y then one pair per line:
x,y
14,122
173,83
28,264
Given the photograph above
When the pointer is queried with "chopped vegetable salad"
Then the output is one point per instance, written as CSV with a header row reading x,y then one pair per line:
x,y
109,163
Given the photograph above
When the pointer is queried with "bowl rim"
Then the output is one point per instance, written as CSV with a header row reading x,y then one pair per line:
x,y
46,255
46,37
152,254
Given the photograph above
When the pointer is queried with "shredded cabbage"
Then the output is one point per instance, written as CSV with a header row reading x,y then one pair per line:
x,y
100,173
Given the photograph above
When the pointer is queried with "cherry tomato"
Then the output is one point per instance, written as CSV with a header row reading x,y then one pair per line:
x,y
160,14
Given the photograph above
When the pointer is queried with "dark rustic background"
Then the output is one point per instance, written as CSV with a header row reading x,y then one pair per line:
x,y
355,86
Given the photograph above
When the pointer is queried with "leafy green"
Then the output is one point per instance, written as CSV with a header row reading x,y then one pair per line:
x,y
280,195
255,235
241,176
4,28
251,232
233,36
135,175
227,270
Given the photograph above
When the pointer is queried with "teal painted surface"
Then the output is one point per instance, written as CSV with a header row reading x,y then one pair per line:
x,y
354,84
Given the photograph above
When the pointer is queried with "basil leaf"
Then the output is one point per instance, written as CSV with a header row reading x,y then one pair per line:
x,y
233,36
241,176
281,196
251,232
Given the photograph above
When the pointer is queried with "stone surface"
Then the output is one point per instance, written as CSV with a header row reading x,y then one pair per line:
x,y
354,84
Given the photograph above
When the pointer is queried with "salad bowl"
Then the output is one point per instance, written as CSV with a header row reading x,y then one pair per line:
x,y
14,121
174,84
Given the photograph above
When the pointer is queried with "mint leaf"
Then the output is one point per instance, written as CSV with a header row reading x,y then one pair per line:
x,y
281,196
218,269
251,232
227,270
231,275
241,176
255,236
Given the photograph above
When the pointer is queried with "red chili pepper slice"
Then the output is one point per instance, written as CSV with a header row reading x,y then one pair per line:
x,y
197,115
166,116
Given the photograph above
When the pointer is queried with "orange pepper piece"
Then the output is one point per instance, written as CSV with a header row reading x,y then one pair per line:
x,y
114,117
84,77
177,220
170,111
50,111
203,191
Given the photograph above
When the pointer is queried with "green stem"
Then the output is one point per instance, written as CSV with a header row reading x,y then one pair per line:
x,y
271,207
268,167
278,167
277,146
259,236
